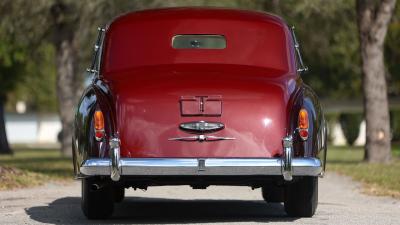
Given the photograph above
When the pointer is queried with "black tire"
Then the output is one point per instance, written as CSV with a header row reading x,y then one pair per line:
x,y
301,197
119,194
97,203
273,193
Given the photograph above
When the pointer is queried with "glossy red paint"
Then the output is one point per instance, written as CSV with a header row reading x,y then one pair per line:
x,y
254,77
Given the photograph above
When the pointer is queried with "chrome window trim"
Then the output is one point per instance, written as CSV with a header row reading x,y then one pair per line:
x,y
97,53
194,41
299,58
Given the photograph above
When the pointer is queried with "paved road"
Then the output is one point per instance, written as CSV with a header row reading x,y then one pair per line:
x,y
339,203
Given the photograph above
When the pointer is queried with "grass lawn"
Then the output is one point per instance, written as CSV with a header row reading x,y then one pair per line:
x,y
29,167
378,179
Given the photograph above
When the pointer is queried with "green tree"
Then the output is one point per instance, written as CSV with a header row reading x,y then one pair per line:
x,y
37,89
327,32
12,58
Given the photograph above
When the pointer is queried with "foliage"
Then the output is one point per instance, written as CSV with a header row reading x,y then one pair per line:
x,y
37,88
350,123
12,59
329,45
19,40
392,54
395,125
377,178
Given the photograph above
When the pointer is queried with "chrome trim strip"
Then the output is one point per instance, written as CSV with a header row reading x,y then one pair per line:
x,y
95,66
201,138
195,166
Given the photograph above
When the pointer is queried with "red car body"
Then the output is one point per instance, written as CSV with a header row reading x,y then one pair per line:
x,y
148,87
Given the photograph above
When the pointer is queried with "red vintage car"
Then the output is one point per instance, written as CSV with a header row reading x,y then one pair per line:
x,y
199,97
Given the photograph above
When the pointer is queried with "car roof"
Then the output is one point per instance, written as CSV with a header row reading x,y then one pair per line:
x,y
143,38
198,12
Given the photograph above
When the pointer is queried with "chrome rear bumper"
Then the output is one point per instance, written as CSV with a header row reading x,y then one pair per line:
x,y
287,166
196,167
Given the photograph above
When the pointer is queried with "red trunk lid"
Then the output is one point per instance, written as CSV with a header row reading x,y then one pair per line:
x,y
151,105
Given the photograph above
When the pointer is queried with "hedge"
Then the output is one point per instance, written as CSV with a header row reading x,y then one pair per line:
x,y
350,123
331,119
395,124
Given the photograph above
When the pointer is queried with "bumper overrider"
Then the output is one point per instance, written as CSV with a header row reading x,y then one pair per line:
x,y
287,166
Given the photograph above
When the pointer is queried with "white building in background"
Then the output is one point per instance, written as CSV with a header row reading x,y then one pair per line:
x,y
32,128
44,129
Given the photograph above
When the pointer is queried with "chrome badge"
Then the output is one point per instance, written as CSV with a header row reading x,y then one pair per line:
x,y
201,127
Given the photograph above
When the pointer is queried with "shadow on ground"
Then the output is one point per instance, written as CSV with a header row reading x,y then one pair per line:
x,y
134,210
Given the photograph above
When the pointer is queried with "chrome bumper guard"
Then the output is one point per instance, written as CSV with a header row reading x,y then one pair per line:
x,y
287,166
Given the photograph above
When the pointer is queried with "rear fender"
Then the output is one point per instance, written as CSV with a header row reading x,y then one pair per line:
x,y
315,145
95,97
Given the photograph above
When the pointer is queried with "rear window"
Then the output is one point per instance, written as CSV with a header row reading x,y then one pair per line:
x,y
198,41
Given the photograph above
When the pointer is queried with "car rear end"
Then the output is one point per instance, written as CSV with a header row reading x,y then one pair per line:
x,y
195,97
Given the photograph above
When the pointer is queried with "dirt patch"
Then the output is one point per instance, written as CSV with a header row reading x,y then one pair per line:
x,y
12,178
371,189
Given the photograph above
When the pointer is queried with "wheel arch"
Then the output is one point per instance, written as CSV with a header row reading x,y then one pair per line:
x,y
315,145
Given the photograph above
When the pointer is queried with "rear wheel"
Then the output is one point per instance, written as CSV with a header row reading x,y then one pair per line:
x,y
119,194
301,197
97,199
272,193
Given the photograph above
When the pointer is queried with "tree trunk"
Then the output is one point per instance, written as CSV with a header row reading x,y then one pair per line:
x,y
4,146
276,7
373,19
376,107
66,92
66,23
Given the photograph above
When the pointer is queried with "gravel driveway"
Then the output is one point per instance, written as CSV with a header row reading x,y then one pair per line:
x,y
339,203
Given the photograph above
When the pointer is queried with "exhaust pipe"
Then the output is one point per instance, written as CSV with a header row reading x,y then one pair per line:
x,y
96,187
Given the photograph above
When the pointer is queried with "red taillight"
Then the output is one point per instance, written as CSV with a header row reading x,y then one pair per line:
x,y
303,124
303,119
99,125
